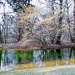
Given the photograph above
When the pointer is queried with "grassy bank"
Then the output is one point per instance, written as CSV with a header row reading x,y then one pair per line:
x,y
58,70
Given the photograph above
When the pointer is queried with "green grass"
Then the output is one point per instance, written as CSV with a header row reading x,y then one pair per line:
x,y
58,70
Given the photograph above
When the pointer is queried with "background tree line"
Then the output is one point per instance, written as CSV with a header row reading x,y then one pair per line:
x,y
51,25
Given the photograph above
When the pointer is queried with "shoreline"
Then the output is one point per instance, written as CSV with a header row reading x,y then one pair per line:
x,y
16,46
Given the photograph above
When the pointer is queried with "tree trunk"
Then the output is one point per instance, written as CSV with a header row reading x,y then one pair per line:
x,y
58,40
19,34
74,25
68,21
53,35
1,40
0,37
74,15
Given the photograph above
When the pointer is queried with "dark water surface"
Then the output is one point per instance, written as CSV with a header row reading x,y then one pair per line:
x,y
15,60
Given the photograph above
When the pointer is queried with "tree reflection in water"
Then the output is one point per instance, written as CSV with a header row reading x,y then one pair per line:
x,y
12,60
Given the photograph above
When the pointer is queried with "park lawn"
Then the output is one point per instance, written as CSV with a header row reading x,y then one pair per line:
x,y
57,70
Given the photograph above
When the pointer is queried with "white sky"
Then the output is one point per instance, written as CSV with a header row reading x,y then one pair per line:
x,y
34,2
8,8
38,4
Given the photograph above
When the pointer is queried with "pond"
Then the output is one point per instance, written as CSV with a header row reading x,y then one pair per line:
x,y
25,59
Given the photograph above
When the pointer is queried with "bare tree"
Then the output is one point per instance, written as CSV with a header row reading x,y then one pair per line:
x,y
1,40
46,29
68,21
74,15
60,25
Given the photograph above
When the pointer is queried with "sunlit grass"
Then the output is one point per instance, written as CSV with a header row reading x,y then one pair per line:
x,y
24,66
44,64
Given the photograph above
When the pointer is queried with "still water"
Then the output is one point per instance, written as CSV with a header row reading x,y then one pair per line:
x,y
15,60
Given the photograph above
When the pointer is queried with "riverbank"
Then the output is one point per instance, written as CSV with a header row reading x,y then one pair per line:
x,y
34,46
57,70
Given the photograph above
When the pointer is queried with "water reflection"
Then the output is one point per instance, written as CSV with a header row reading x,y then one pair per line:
x,y
8,60
13,60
